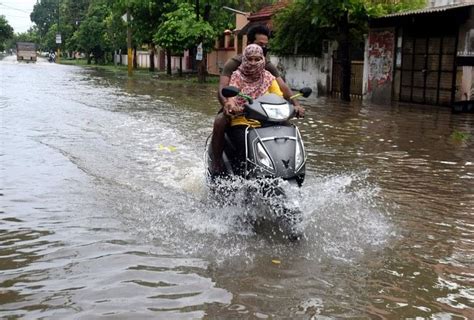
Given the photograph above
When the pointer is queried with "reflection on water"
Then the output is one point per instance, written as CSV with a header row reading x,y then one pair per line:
x,y
105,212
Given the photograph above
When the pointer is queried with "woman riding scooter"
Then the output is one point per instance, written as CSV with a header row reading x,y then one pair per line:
x,y
253,80
261,146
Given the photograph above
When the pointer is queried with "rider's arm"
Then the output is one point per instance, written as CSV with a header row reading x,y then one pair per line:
x,y
223,82
287,93
230,66
275,88
229,105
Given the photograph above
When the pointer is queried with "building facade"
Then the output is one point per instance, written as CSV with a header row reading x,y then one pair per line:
x,y
416,56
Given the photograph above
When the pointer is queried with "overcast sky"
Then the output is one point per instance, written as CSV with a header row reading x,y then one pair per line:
x,y
17,13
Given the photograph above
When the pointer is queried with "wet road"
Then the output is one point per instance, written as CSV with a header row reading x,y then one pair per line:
x,y
105,213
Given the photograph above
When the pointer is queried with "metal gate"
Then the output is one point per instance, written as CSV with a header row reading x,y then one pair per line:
x,y
428,69
357,72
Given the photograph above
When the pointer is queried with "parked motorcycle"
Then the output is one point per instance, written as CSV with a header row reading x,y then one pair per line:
x,y
268,155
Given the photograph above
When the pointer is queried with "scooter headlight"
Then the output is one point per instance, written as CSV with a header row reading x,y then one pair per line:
x,y
277,111
262,157
299,156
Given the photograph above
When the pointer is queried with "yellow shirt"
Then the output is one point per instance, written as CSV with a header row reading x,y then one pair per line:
x,y
243,121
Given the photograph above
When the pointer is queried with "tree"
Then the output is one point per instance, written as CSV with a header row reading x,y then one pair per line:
x,y
45,13
49,14
30,36
91,36
210,12
72,14
181,30
48,42
342,20
295,32
6,32
116,31
147,17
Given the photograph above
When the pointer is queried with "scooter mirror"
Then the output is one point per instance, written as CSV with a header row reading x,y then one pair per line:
x,y
230,91
306,91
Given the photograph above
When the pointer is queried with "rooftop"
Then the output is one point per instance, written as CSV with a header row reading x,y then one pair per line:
x,y
268,11
429,10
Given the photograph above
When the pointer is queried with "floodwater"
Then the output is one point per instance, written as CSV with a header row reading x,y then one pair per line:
x,y
105,212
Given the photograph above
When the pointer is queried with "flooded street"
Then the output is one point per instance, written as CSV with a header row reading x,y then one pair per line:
x,y
105,212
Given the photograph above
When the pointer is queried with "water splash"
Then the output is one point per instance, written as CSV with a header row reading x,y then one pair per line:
x,y
341,219
344,215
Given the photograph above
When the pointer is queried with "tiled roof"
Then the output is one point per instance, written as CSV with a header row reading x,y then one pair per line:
x,y
429,10
268,11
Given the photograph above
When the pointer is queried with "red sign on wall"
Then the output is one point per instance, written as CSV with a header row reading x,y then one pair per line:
x,y
381,51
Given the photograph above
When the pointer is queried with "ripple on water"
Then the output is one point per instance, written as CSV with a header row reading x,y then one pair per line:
x,y
343,217
133,233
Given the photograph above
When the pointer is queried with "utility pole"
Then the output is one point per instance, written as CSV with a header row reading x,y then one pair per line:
x,y
58,37
129,45
200,53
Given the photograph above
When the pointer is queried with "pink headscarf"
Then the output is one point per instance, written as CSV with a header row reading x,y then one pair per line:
x,y
251,78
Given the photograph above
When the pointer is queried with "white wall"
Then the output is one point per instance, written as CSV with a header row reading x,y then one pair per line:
x,y
143,60
298,71
306,71
117,59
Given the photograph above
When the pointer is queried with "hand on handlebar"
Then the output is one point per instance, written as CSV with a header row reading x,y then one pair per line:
x,y
231,108
299,111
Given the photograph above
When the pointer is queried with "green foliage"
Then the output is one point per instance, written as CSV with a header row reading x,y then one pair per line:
x,y
181,30
377,8
460,136
73,13
30,36
96,26
305,23
48,42
45,14
64,16
6,32
303,37
91,37
116,31
147,16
